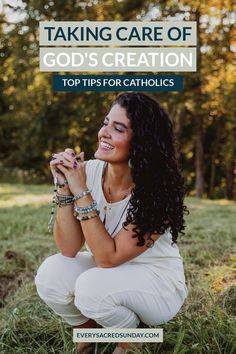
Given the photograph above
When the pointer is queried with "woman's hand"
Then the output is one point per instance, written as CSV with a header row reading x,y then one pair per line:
x,y
71,169
59,177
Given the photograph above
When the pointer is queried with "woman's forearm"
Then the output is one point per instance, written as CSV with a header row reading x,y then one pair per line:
x,y
96,236
68,234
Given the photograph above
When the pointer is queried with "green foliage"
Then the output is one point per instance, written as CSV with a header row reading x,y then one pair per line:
x,y
206,323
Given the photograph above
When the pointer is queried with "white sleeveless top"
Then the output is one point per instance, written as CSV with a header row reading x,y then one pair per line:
x,y
163,256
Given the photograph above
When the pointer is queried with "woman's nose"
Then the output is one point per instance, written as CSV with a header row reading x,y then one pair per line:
x,y
105,131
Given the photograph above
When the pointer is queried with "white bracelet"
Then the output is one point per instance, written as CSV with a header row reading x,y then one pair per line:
x,y
81,194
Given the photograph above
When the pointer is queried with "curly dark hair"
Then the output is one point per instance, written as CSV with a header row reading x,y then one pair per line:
x,y
156,202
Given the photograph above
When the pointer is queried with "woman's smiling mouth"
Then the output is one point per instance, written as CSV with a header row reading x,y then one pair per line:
x,y
106,146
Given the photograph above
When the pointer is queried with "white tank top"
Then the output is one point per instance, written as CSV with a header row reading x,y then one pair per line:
x,y
164,255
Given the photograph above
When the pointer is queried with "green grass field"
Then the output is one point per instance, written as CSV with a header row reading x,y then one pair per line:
x,y
206,323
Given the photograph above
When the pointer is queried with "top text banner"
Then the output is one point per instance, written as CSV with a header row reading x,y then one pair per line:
x,y
124,33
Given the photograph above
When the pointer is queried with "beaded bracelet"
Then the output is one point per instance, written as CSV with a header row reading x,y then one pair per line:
x,y
87,217
60,200
82,194
63,200
86,209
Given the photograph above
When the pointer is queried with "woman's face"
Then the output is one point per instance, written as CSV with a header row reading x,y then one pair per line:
x,y
115,136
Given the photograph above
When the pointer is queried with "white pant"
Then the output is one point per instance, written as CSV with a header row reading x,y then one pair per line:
x,y
116,297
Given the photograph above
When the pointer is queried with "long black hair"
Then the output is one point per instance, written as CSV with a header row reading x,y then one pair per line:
x,y
156,202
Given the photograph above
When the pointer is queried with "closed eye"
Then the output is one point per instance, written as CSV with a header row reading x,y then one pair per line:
x,y
117,129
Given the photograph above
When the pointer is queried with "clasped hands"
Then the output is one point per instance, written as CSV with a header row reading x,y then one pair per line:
x,y
65,166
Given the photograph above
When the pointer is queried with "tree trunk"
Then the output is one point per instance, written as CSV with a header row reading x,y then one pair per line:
x,y
216,147
179,121
230,183
199,151
199,157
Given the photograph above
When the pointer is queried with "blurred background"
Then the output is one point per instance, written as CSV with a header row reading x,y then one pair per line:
x,y
35,121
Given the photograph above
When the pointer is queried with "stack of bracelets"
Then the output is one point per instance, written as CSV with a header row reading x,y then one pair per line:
x,y
81,213
87,212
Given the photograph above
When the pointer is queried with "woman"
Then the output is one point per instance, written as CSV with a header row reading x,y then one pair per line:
x,y
127,207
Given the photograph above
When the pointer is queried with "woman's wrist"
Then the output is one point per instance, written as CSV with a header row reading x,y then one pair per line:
x,y
79,190
64,191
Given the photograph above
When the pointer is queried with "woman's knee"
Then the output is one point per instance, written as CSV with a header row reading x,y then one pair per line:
x,y
96,299
90,293
50,280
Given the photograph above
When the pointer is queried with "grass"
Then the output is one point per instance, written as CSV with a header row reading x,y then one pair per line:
x,y
206,323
